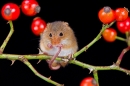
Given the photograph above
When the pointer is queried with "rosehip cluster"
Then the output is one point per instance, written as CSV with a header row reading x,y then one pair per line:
x,y
107,15
11,12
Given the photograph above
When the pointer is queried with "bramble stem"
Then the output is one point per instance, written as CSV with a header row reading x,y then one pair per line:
x,y
121,55
8,36
27,63
95,74
94,40
75,62
111,67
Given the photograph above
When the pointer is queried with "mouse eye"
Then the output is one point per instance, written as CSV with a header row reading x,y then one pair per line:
x,y
61,34
50,35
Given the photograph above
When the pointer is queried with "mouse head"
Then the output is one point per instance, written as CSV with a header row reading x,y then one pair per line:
x,y
57,33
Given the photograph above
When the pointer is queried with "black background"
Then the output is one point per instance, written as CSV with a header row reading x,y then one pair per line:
x,y
82,17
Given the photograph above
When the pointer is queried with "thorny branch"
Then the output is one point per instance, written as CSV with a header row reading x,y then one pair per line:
x,y
26,62
94,69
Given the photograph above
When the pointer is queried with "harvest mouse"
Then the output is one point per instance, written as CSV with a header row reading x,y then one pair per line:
x,y
58,40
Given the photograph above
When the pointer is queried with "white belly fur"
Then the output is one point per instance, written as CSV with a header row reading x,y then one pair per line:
x,y
63,52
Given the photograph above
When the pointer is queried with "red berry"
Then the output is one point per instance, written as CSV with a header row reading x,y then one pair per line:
x,y
121,14
38,25
109,34
123,26
106,15
89,81
10,11
30,7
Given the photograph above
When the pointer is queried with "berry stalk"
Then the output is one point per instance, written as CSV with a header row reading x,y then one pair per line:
x,y
120,38
121,55
94,40
8,36
95,74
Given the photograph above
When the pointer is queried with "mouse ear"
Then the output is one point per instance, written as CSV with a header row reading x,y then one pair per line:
x,y
66,23
48,23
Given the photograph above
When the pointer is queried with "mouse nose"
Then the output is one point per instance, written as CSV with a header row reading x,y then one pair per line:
x,y
55,41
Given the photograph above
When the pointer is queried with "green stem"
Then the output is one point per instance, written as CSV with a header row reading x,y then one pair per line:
x,y
94,40
39,75
95,74
126,35
75,62
8,36
111,67
120,38
128,38
125,50
29,57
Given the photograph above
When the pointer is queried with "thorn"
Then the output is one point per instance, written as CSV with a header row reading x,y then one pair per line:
x,y
86,49
127,73
49,77
40,52
90,70
8,22
126,9
103,25
100,37
12,62
114,65
39,61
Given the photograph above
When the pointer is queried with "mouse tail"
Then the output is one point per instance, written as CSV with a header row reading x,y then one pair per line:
x,y
55,65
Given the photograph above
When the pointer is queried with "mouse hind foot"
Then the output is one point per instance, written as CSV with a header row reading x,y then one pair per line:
x,y
64,62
